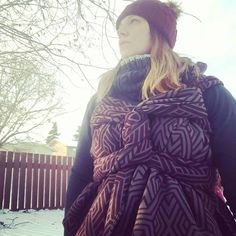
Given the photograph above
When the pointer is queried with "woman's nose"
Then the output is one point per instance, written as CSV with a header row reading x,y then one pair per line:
x,y
122,32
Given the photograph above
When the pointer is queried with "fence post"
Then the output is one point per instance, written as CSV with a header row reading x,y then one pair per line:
x,y
47,181
22,181
64,180
53,182
8,180
35,181
41,181
28,200
2,176
16,167
58,184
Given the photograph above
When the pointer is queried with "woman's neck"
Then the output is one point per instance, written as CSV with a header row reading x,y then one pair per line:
x,y
130,76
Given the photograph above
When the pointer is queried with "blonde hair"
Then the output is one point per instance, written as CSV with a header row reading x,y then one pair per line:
x,y
166,68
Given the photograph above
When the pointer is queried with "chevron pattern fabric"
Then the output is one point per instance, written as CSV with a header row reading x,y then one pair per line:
x,y
153,171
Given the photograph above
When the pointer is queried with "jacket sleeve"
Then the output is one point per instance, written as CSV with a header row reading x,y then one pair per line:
x,y
82,169
221,108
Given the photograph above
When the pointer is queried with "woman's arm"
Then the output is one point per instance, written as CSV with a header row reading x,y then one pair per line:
x,y
82,170
221,108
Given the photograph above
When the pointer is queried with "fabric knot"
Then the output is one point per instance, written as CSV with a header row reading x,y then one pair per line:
x,y
136,127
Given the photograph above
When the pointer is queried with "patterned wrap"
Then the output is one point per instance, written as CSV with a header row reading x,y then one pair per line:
x,y
153,169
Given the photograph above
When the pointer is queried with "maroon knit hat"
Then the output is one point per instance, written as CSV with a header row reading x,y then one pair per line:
x,y
158,14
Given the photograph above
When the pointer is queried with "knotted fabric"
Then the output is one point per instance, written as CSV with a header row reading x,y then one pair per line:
x,y
153,170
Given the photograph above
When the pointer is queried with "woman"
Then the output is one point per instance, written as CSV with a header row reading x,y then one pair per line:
x,y
152,139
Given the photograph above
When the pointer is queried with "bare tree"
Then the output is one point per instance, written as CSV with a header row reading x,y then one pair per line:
x,y
38,34
28,98
54,31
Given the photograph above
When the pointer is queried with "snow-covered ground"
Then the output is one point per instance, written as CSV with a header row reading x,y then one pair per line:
x,y
31,223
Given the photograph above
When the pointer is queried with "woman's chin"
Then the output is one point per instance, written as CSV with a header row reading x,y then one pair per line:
x,y
126,55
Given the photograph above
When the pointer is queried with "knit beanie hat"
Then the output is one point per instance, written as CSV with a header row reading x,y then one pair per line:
x,y
159,15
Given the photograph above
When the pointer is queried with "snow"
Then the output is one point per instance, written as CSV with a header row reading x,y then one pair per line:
x,y
31,223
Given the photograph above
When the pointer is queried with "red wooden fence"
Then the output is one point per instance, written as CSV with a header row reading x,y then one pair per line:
x,y
33,181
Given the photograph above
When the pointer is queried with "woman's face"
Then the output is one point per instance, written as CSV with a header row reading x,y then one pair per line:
x,y
134,36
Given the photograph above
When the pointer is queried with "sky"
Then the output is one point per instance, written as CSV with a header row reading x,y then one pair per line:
x,y
211,40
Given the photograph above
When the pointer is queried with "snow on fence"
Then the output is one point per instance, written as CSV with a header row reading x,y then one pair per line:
x,y
33,181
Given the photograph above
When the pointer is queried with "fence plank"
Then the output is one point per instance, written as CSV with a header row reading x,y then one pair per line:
x,y
22,181
35,181
58,184
53,182
70,163
2,176
47,181
64,180
8,180
28,199
41,181
16,167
